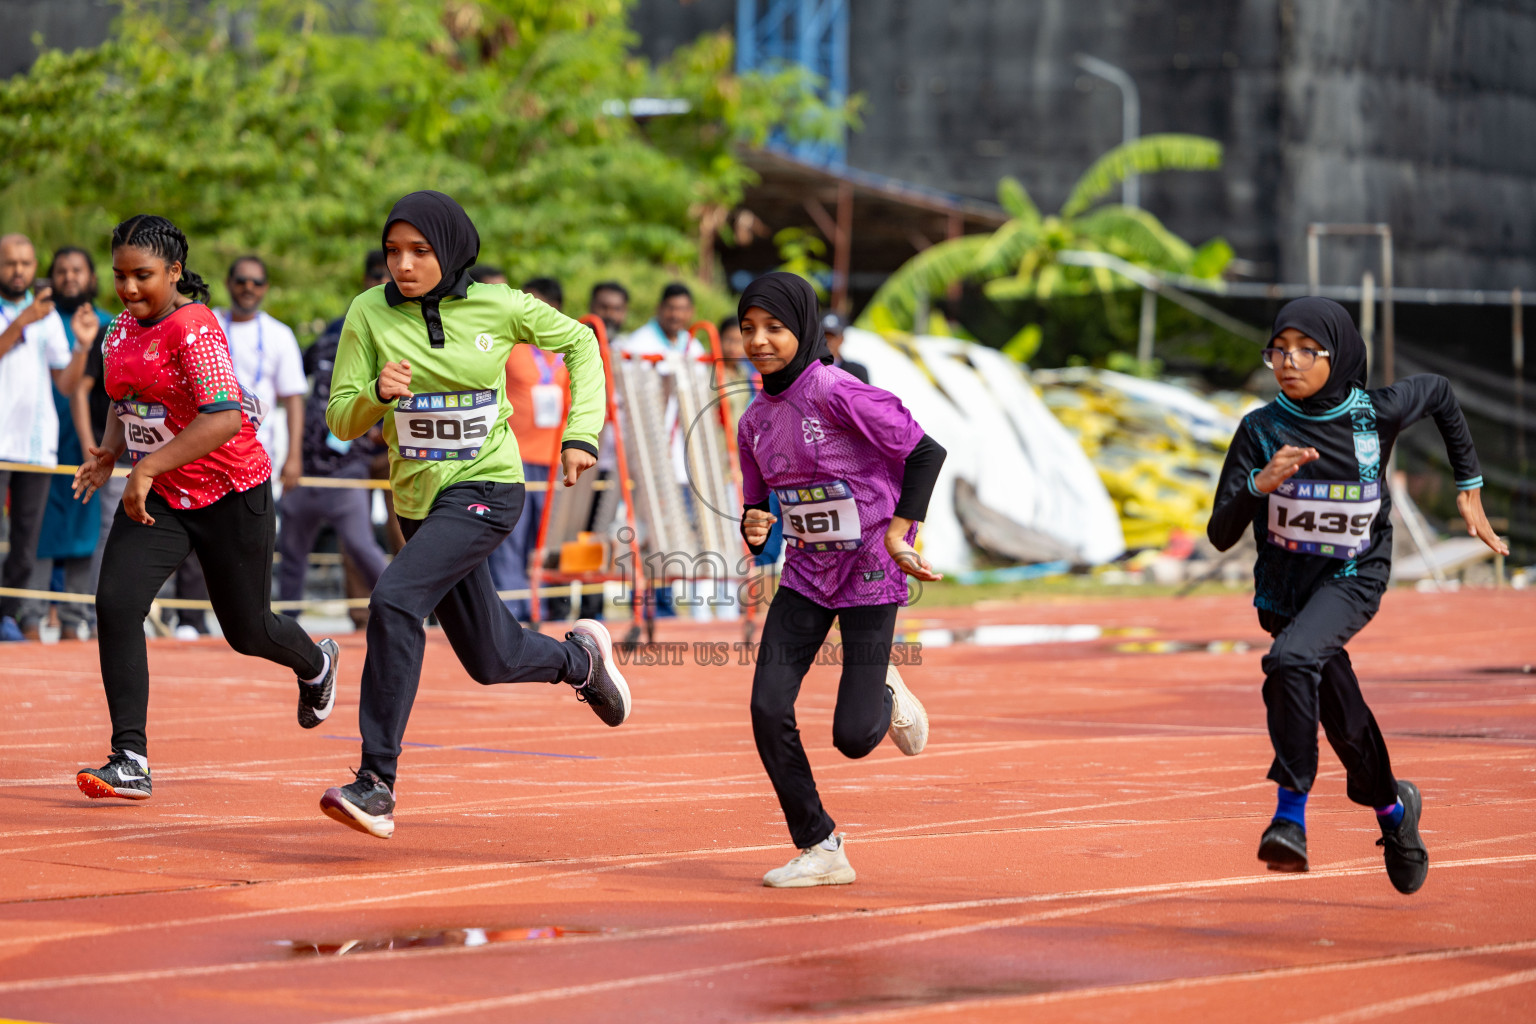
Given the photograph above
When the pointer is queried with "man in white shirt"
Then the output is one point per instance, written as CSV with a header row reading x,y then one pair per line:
x,y
668,330
268,363
34,356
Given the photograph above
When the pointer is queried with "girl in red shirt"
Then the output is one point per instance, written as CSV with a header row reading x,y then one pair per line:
x,y
200,482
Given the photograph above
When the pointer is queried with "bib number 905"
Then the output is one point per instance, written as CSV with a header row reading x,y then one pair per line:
x,y
446,426
448,430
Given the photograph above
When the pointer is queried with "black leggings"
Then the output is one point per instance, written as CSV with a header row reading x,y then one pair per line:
x,y
442,568
233,539
1308,678
792,638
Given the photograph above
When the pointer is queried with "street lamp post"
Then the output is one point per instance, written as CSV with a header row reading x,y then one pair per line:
x,y
1130,119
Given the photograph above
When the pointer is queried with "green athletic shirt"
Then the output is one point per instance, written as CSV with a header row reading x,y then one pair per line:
x,y
479,332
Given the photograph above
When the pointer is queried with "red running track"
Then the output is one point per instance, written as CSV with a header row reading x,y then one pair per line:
x,y
1077,843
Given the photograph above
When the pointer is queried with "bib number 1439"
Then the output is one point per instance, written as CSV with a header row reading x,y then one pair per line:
x,y
1324,517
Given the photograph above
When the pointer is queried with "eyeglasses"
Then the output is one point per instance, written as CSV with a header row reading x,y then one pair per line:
x,y
257,281
1301,358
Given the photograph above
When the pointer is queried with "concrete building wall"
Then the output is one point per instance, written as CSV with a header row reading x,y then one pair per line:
x,y
1419,113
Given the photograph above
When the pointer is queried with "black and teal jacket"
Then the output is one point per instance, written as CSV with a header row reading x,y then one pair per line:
x,y
1353,442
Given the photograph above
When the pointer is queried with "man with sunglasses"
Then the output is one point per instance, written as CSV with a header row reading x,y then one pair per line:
x,y
348,511
268,364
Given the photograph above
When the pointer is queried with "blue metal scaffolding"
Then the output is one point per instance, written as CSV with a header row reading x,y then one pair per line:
x,y
811,33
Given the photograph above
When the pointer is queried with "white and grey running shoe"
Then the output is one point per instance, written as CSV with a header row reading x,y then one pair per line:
x,y
604,690
365,804
814,866
121,776
317,699
909,719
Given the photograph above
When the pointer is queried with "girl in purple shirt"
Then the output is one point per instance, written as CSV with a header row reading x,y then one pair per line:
x,y
852,473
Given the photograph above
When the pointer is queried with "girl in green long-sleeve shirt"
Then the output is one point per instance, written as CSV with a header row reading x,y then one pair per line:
x,y
427,353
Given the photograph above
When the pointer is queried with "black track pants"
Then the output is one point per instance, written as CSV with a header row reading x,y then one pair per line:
x,y
442,568
1308,678
28,502
792,637
233,539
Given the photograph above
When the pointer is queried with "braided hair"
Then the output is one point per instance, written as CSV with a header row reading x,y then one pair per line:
x,y
159,236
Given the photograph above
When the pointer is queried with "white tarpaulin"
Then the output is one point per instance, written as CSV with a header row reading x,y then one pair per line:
x,y
1017,458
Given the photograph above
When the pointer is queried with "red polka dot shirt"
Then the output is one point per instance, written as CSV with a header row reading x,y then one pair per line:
x,y
161,375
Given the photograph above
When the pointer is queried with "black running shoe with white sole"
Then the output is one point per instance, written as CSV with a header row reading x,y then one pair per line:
x,y
604,690
1284,846
365,804
1406,855
317,699
121,777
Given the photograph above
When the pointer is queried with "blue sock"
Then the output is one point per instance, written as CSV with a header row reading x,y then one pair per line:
x,y
1292,806
1390,817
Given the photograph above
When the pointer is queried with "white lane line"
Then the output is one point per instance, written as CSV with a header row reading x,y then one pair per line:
x,y
572,991
1435,998
1105,899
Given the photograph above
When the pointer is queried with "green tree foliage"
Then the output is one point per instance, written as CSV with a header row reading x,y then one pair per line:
x,y
1020,260
289,127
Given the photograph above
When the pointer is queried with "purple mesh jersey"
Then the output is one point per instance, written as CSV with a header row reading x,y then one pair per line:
x,y
833,449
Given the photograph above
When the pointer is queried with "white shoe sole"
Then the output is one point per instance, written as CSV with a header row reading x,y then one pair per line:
x,y
339,808
599,633
842,876
910,739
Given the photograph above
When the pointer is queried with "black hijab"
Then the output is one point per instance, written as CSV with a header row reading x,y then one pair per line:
x,y
452,235
790,298
1327,323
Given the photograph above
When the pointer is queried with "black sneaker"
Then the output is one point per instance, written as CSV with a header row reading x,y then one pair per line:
x,y
1407,857
121,776
366,805
1284,846
605,689
317,699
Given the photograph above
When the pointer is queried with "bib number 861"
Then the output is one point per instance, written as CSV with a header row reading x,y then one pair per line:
x,y
815,522
447,429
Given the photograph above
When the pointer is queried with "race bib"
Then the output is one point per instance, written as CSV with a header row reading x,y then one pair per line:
x,y
144,427
446,426
820,518
254,408
1324,517
548,404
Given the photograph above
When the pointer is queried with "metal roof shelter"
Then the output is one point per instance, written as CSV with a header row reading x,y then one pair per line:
x,y
869,221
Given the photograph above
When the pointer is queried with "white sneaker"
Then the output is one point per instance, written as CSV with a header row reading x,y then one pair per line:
x,y
187,633
814,866
909,720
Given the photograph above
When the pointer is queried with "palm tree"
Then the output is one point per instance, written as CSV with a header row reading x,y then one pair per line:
x,y
1020,259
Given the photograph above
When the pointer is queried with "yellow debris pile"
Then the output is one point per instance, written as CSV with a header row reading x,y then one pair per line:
x,y
1159,473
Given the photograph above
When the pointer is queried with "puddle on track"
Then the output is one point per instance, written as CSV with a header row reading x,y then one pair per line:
x,y
438,939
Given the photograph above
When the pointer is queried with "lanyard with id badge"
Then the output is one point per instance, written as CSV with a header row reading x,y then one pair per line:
x,y
548,398
1324,517
444,426
824,517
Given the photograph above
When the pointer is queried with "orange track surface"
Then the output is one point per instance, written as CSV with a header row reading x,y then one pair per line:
x,y
1077,842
